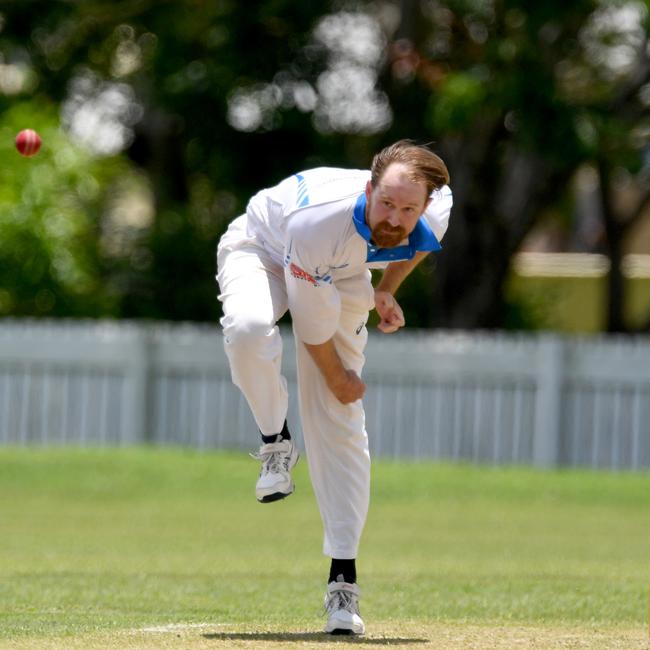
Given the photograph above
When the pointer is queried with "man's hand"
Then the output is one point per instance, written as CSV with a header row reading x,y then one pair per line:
x,y
347,388
390,313
345,384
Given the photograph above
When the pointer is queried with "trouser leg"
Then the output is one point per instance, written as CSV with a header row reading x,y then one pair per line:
x,y
335,437
254,297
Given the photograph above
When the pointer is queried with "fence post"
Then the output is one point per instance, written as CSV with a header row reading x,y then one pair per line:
x,y
548,401
135,415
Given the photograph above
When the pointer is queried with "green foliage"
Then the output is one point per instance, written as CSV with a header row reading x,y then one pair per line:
x,y
456,103
50,215
514,95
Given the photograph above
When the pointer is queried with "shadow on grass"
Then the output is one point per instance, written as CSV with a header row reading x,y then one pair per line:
x,y
298,637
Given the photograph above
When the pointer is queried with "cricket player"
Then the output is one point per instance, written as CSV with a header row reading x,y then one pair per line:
x,y
307,245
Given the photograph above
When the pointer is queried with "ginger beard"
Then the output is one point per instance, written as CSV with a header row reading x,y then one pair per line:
x,y
385,236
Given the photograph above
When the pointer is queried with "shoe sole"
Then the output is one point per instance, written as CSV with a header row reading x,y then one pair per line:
x,y
354,630
276,496
344,631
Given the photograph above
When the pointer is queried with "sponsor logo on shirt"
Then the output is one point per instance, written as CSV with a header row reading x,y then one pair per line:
x,y
358,330
301,274
322,274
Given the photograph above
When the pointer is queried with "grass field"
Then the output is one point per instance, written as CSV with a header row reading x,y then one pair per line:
x,y
151,548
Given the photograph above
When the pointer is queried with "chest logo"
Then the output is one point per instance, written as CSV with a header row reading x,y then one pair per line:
x,y
301,274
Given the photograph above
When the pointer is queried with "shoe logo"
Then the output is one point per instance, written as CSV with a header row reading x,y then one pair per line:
x,y
358,330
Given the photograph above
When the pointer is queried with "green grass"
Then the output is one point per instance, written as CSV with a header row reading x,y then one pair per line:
x,y
99,540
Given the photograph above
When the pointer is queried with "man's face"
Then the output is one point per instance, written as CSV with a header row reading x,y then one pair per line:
x,y
394,206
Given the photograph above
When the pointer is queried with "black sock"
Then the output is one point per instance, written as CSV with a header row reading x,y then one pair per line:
x,y
274,437
346,568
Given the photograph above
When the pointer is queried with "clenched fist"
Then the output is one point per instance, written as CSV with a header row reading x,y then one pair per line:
x,y
348,388
390,313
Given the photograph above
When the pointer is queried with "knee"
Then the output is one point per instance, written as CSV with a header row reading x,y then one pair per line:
x,y
245,331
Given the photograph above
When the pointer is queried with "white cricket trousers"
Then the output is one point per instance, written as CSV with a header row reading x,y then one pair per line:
x,y
254,297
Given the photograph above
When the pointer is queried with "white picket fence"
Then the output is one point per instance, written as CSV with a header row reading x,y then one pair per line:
x,y
546,400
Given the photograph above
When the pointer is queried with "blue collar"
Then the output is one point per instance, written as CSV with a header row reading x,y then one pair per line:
x,y
421,239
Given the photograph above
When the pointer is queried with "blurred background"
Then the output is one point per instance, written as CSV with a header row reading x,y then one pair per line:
x,y
527,340
160,120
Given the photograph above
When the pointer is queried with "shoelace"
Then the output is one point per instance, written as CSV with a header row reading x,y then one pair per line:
x,y
342,599
274,456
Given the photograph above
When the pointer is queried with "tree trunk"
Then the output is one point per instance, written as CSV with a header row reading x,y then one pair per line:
x,y
499,191
614,229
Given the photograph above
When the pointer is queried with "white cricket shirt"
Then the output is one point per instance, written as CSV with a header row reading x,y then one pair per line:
x,y
313,224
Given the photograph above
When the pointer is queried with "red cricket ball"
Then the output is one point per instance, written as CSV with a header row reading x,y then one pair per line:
x,y
28,142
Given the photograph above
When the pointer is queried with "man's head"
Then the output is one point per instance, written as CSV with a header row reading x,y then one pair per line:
x,y
403,176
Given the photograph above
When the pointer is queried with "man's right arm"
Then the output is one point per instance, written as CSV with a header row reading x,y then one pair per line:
x,y
315,306
344,383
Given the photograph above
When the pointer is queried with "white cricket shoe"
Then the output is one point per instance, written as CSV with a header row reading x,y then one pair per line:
x,y
342,607
275,480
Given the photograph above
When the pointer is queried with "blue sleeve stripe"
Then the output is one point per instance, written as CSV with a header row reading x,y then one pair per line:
x,y
303,196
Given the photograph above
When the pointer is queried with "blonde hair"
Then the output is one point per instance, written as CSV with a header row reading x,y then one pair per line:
x,y
423,165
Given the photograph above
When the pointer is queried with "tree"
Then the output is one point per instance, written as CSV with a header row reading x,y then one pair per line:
x,y
154,79
515,96
50,209
621,111
517,100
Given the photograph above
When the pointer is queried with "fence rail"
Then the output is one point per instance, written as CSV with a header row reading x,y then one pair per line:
x,y
547,400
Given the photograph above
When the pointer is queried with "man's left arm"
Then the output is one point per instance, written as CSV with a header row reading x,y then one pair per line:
x,y
390,313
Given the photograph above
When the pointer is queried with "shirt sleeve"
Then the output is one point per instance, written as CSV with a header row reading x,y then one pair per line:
x,y
314,301
437,213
